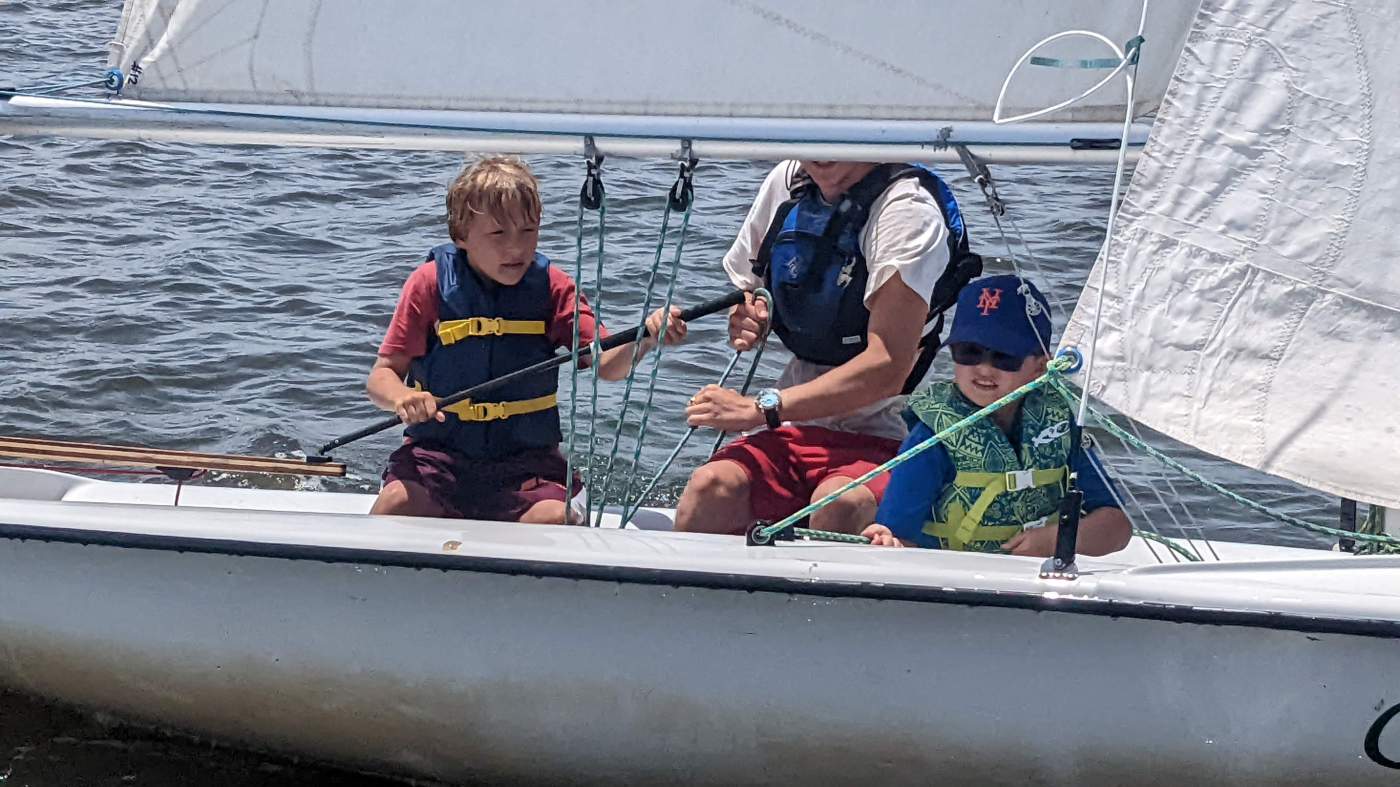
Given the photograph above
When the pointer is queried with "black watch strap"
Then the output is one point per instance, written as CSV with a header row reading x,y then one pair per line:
x,y
770,415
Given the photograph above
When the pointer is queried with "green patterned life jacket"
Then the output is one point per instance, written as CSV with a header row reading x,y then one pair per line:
x,y
996,493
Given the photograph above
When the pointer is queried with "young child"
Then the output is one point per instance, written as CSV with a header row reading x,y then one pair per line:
x,y
996,485
481,306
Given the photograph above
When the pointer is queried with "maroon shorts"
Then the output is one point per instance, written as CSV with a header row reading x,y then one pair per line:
x,y
500,489
786,465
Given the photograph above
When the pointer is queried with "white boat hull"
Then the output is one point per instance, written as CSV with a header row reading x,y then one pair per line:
x,y
569,655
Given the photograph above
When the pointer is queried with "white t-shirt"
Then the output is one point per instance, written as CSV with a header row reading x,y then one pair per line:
x,y
905,235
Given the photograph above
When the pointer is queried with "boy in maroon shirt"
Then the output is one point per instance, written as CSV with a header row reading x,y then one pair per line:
x,y
482,306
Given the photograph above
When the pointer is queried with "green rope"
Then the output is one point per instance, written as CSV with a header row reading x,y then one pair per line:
x,y
636,355
690,432
1148,535
1253,505
1374,523
1052,372
573,372
655,367
675,452
828,535
753,365
597,353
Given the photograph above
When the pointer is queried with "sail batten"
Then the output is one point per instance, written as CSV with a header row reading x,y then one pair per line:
x,y
1251,308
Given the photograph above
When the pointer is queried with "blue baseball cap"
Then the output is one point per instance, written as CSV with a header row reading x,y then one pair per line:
x,y
992,312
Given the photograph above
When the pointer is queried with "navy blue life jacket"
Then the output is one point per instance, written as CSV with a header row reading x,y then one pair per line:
x,y
486,330
811,261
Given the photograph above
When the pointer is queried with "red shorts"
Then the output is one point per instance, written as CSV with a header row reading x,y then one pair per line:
x,y
496,489
785,465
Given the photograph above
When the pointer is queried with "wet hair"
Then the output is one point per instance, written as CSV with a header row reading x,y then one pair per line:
x,y
499,186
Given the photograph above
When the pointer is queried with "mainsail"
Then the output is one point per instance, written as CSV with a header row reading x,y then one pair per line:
x,y
1250,296
897,73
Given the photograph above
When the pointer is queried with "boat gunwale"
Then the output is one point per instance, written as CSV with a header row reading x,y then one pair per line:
x,y
739,582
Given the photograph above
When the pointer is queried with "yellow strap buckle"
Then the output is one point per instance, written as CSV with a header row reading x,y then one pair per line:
x,y
1016,480
487,411
476,326
453,331
476,412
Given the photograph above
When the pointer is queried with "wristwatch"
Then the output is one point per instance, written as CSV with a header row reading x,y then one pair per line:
x,y
769,401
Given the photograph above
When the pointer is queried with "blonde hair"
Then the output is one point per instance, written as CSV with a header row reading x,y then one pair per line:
x,y
500,186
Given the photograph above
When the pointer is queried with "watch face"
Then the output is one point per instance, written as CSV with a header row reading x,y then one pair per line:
x,y
768,399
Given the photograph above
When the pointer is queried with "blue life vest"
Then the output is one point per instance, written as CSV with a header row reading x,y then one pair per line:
x,y
811,261
486,330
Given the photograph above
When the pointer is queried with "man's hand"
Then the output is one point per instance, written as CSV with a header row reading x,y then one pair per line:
x,y
675,326
415,407
722,409
881,536
1036,542
747,322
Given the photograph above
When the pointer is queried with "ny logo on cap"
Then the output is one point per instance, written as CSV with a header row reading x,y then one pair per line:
x,y
989,301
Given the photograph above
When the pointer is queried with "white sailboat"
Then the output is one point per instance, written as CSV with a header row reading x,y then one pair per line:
x,y
473,650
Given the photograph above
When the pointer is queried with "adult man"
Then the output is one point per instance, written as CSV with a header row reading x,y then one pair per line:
x,y
857,256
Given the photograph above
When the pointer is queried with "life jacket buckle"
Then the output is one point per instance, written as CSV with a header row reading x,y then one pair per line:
x,y
489,411
1017,480
484,326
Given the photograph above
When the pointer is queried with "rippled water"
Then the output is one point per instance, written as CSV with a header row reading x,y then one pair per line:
x,y
231,299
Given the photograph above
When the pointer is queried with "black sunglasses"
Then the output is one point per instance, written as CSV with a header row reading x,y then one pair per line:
x,y
970,354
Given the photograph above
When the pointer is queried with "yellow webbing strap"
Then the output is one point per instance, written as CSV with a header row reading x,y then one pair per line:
x,y
1037,478
959,531
945,530
499,411
452,331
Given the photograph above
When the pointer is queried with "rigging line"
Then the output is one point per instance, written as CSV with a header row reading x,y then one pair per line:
x,y
1183,532
655,365
753,365
594,198
636,355
1128,56
1086,443
1176,550
675,452
724,377
597,349
1156,474
1180,500
1108,232
1060,302
743,390
1148,521
47,90
1253,505
1101,472
1032,306
996,206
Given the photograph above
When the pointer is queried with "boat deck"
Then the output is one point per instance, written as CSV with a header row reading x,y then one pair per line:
x,y
333,526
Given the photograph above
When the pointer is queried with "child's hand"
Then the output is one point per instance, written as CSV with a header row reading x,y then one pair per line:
x,y
675,326
415,407
1036,542
746,322
881,536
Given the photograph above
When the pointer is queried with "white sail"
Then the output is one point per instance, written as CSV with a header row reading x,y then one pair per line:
x,y
892,60
783,72
1251,305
